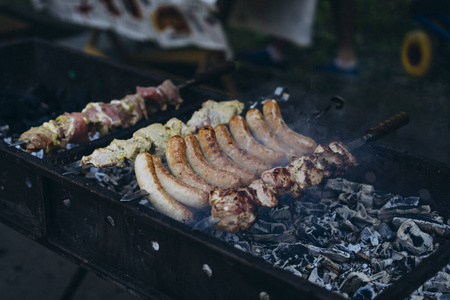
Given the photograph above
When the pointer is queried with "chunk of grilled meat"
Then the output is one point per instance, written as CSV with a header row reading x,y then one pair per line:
x,y
153,138
214,113
235,209
334,159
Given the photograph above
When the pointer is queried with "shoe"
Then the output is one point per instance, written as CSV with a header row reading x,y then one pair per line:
x,y
262,58
333,68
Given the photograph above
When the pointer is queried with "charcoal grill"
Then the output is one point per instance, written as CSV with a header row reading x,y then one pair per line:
x,y
144,252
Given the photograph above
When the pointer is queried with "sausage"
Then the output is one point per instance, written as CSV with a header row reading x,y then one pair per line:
x,y
180,167
179,190
237,154
273,117
240,132
211,150
158,196
262,132
206,170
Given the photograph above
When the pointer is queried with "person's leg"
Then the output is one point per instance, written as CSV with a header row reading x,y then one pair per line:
x,y
343,14
345,61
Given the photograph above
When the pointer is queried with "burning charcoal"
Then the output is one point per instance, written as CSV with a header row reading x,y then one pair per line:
x,y
348,198
362,256
400,202
384,231
315,278
349,226
386,215
376,267
382,277
261,227
368,236
351,248
411,238
439,283
286,237
427,226
330,265
353,282
292,252
366,198
294,271
243,246
364,293
345,213
310,208
280,213
383,250
343,185
332,253
362,216
380,199
397,206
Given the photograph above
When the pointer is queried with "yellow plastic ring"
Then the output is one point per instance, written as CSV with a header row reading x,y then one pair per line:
x,y
416,53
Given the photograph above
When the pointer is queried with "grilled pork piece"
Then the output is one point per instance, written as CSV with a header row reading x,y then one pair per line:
x,y
99,117
152,138
214,113
236,209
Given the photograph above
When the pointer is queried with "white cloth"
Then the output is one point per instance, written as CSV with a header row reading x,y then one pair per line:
x,y
289,19
199,25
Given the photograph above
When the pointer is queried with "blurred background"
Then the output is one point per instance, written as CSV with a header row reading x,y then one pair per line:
x,y
391,43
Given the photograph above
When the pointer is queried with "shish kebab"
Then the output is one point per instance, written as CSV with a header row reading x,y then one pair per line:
x,y
156,136
100,117
235,209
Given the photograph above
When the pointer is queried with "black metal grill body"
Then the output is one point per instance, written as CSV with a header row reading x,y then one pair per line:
x,y
139,249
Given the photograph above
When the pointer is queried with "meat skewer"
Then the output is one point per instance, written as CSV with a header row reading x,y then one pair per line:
x,y
325,162
99,117
116,154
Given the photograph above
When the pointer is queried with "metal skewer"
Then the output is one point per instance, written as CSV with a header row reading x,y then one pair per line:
x,y
134,196
19,142
205,223
382,129
78,169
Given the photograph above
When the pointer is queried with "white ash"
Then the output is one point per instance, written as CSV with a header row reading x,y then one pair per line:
x,y
346,237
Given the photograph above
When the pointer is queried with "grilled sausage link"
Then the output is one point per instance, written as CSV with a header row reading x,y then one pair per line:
x,y
262,132
211,150
179,190
273,117
237,154
180,167
158,196
206,170
240,132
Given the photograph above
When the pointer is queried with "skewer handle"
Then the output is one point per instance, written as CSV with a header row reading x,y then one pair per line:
x,y
214,72
393,123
